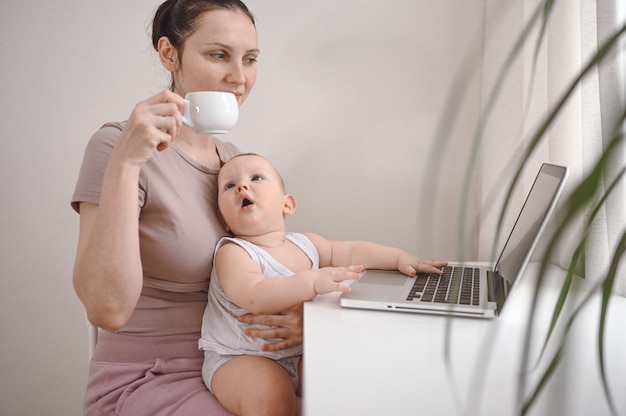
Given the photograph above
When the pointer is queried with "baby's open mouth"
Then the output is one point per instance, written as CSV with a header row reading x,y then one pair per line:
x,y
246,202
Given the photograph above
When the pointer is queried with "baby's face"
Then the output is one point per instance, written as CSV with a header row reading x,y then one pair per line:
x,y
251,196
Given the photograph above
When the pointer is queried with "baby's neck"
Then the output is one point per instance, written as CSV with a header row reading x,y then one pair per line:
x,y
273,239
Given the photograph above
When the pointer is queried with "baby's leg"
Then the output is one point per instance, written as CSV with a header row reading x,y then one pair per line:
x,y
251,385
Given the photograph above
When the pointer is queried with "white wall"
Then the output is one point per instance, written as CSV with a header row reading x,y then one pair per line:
x,y
347,103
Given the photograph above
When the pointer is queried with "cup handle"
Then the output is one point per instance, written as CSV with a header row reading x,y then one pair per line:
x,y
186,119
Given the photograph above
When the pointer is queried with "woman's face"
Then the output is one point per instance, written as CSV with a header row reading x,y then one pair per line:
x,y
219,56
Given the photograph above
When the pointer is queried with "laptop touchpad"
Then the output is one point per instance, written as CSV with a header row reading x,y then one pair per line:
x,y
383,278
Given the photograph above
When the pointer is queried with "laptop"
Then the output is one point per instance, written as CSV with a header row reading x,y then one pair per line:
x,y
466,290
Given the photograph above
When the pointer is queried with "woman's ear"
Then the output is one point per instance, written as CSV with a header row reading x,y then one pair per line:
x,y
168,54
289,206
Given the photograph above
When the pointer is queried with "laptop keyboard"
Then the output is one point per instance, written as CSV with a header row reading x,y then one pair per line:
x,y
458,285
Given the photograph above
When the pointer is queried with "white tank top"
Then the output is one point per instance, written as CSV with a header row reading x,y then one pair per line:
x,y
221,331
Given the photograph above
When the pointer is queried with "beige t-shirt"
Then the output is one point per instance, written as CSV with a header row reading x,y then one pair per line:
x,y
178,231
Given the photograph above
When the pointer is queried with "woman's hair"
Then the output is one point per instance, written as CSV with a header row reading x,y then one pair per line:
x,y
178,19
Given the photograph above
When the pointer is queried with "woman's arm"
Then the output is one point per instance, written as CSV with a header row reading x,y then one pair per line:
x,y
107,271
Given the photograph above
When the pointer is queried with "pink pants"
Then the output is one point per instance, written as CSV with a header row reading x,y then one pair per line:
x,y
158,375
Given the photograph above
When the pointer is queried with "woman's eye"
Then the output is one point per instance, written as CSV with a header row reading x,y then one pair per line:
x,y
250,60
220,56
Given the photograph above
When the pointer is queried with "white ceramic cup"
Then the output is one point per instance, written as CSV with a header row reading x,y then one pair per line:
x,y
213,112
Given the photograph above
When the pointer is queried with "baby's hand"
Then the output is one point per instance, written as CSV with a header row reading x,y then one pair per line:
x,y
411,265
327,279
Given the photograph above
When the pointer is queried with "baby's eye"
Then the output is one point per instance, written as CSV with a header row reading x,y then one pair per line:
x,y
229,186
257,178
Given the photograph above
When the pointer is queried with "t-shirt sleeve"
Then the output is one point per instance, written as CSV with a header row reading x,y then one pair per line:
x,y
95,160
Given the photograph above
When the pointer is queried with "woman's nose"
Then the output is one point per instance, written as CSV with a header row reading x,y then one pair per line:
x,y
236,73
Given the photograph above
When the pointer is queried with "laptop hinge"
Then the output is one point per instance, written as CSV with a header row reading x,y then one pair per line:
x,y
496,291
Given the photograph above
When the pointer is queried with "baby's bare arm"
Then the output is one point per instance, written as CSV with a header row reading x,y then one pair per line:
x,y
246,286
371,256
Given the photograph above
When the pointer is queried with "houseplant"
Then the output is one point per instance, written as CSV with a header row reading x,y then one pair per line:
x,y
596,185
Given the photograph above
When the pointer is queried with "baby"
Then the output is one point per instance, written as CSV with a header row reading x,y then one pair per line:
x,y
263,269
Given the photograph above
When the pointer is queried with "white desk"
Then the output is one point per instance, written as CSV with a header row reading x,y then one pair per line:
x,y
362,363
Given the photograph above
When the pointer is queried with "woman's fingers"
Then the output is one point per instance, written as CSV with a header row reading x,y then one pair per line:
x,y
285,327
169,126
156,121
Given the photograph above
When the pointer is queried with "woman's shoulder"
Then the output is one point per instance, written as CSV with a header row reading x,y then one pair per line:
x,y
100,146
116,125
95,159
110,129
107,135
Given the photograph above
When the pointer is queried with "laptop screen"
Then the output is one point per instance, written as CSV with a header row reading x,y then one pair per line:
x,y
538,205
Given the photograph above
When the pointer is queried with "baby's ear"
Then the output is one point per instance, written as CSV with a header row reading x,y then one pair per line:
x,y
290,204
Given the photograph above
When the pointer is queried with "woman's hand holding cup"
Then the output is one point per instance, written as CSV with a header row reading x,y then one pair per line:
x,y
155,122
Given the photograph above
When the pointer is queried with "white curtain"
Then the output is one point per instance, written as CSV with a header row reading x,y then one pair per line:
x,y
535,82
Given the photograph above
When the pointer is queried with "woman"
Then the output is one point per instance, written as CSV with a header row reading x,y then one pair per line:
x,y
148,226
